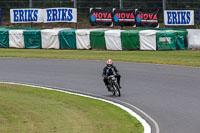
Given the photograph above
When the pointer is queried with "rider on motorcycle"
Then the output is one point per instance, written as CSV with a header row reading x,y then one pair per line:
x,y
108,70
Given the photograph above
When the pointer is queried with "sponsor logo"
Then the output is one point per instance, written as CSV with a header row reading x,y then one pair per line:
x,y
59,14
25,15
147,17
104,17
116,19
138,18
178,17
43,15
124,17
93,19
165,39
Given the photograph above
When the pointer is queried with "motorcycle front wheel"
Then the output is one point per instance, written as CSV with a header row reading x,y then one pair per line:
x,y
116,90
113,92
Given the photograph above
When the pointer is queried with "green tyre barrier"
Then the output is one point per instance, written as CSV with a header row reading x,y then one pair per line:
x,y
67,39
4,38
97,39
166,40
181,39
130,40
32,39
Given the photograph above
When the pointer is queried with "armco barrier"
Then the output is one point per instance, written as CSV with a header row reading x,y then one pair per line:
x,y
67,39
59,38
4,38
182,41
83,38
32,39
50,38
166,40
194,38
130,40
16,39
113,39
97,39
148,39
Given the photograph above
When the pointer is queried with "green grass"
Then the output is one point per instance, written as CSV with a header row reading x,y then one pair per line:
x,y
186,58
34,110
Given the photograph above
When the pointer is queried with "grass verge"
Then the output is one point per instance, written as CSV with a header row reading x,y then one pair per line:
x,y
29,110
186,58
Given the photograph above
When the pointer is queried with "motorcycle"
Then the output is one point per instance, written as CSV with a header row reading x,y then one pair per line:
x,y
113,85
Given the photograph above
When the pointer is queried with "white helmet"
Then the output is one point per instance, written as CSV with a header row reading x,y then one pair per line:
x,y
109,62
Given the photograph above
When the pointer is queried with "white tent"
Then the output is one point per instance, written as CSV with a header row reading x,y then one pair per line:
x,y
194,38
16,39
113,39
148,39
50,38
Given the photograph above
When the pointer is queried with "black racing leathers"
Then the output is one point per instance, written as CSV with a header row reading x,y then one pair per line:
x,y
107,71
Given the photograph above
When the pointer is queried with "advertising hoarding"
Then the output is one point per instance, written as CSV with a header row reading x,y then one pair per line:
x,y
179,17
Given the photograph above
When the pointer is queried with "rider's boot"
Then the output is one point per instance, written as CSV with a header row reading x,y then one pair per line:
x,y
119,85
108,87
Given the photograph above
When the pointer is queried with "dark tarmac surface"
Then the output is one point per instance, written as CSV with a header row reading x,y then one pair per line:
x,y
168,94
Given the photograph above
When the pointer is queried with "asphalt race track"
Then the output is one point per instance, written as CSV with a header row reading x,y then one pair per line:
x,y
168,94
